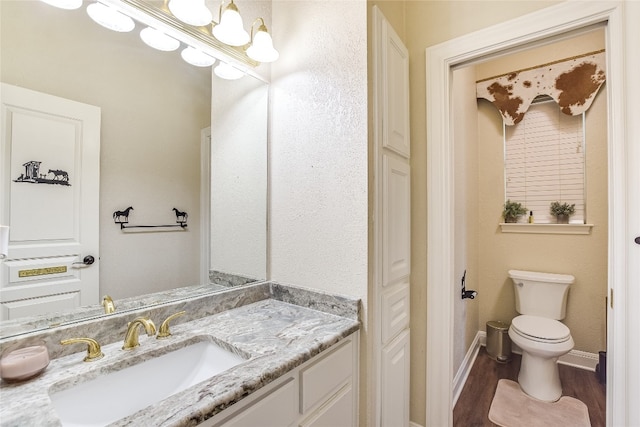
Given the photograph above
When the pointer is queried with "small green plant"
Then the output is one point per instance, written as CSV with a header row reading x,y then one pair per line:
x,y
562,212
562,209
512,211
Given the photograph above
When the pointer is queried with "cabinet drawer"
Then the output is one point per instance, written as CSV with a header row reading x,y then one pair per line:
x,y
275,409
326,376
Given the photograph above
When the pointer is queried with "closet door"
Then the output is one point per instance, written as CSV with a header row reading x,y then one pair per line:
x,y
392,238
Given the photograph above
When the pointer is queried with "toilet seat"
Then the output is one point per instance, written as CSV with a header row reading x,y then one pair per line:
x,y
540,329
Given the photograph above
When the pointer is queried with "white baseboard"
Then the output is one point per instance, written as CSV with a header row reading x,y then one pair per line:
x,y
575,358
580,359
467,363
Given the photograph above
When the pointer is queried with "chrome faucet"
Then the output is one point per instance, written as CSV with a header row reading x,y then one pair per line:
x,y
131,338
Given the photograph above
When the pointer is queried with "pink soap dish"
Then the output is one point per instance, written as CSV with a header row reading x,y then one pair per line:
x,y
24,363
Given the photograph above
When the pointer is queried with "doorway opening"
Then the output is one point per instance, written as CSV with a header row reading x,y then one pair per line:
x,y
547,24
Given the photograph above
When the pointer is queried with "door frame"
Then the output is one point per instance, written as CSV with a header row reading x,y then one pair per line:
x,y
623,344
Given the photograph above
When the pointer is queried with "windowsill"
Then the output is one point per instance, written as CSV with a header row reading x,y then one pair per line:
x,y
546,228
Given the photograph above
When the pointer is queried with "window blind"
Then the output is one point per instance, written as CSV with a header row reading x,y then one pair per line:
x,y
544,161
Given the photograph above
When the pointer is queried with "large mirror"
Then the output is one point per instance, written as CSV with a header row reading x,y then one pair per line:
x,y
158,114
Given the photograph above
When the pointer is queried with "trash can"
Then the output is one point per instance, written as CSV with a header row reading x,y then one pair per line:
x,y
498,341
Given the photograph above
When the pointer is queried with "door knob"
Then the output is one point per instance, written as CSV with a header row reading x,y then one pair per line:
x,y
88,260
637,240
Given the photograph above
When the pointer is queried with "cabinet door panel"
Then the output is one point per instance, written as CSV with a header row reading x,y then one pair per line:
x,y
395,311
396,220
337,413
395,382
325,376
395,105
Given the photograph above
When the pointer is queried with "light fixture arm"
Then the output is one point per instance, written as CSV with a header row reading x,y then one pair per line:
x,y
262,27
230,6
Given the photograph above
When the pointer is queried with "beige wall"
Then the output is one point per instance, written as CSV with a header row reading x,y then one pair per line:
x,y
153,107
585,257
465,212
429,23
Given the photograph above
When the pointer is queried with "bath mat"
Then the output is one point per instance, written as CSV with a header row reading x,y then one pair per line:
x,y
511,407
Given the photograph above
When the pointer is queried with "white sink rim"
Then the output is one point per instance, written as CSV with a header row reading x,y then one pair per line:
x,y
118,394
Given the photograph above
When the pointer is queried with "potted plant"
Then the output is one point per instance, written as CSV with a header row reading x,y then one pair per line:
x,y
512,211
562,212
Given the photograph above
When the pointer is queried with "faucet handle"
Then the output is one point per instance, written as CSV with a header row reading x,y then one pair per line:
x,y
164,328
93,348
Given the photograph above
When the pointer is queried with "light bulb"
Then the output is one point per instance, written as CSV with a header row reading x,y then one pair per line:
x,y
197,57
192,12
227,72
159,40
110,18
262,49
230,29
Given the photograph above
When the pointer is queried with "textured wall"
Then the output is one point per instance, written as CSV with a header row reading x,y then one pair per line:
x,y
318,151
153,107
318,156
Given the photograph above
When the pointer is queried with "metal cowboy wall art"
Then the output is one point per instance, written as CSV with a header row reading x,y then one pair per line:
x,y
32,175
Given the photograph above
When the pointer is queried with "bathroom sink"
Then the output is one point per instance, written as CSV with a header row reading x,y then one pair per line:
x,y
118,394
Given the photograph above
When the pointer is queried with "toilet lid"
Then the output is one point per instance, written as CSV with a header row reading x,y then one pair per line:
x,y
540,328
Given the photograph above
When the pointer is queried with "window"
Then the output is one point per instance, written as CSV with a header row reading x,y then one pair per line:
x,y
544,161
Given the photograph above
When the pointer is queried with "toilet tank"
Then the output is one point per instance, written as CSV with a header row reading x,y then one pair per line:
x,y
541,294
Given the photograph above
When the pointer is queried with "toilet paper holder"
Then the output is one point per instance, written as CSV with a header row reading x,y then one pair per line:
x,y
467,293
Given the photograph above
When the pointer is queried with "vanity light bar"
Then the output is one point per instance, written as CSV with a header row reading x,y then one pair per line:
x,y
191,36
165,32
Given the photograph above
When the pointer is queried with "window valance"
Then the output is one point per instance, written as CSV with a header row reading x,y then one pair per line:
x,y
573,83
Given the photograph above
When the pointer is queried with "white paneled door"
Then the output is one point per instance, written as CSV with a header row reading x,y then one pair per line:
x,y
49,196
392,238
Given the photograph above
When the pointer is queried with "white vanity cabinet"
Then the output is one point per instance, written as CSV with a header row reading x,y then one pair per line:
x,y
322,392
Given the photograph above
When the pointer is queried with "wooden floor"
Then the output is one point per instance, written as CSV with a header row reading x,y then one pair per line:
x,y
472,408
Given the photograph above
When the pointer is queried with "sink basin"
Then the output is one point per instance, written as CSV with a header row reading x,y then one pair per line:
x,y
118,394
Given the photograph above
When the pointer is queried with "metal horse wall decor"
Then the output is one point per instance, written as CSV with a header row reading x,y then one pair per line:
x,y
122,218
181,217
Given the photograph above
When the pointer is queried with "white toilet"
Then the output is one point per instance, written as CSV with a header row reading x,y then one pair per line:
x,y
541,299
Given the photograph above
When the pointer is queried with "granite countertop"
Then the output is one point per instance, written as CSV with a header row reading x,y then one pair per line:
x,y
277,336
